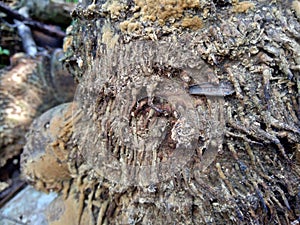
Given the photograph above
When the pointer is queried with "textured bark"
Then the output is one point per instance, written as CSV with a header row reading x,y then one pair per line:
x,y
187,112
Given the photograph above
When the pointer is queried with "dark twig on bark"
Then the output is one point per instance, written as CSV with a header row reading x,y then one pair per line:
x,y
31,23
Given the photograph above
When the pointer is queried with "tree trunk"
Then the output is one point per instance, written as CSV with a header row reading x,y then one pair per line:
x,y
187,112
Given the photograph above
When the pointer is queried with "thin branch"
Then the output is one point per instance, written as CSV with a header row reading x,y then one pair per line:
x,y
24,31
31,23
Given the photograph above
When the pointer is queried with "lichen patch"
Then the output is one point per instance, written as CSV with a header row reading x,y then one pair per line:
x,y
114,7
296,8
109,37
162,14
194,23
243,7
164,10
130,27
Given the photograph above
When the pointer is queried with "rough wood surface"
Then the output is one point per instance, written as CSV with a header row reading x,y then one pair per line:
x,y
143,149
28,88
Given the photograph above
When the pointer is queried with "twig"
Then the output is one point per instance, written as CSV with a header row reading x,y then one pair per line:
x,y
11,191
26,35
31,23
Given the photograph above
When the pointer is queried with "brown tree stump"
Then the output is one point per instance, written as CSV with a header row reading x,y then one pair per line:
x,y
187,112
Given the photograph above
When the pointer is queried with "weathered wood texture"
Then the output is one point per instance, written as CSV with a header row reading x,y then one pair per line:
x,y
28,88
144,148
